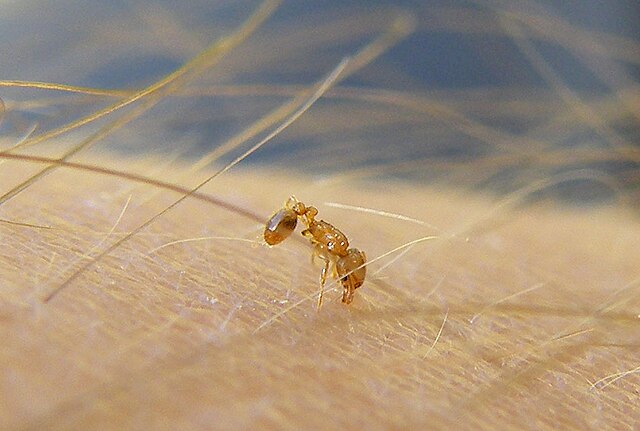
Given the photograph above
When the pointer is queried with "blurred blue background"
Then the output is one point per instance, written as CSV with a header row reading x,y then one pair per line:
x,y
489,94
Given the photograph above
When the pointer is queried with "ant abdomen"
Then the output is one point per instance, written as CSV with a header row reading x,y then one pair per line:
x,y
280,226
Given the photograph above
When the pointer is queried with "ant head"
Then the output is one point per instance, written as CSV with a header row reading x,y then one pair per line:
x,y
296,206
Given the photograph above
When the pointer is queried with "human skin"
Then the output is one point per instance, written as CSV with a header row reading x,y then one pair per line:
x,y
492,310
510,319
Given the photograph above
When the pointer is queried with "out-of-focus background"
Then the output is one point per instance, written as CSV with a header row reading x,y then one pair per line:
x,y
522,90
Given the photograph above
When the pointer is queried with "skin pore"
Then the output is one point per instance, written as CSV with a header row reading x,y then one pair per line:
x,y
130,300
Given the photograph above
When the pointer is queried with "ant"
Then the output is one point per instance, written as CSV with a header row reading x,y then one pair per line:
x,y
330,245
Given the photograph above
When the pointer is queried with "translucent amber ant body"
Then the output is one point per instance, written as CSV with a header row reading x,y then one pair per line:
x,y
330,245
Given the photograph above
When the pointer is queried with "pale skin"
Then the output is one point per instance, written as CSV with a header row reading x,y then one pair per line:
x,y
445,335
486,317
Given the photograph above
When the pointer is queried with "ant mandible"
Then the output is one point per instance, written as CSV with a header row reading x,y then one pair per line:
x,y
330,245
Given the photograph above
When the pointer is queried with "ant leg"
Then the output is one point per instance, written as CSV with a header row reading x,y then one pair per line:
x,y
349,289
345,294
323,279
307,234
323,273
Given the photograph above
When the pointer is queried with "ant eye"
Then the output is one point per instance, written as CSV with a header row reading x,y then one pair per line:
x,y
280,226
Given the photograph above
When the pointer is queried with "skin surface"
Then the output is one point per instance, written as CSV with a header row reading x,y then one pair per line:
x,y
482,154
512,325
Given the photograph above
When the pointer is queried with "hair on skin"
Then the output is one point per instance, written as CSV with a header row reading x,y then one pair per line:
x,y
482,153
